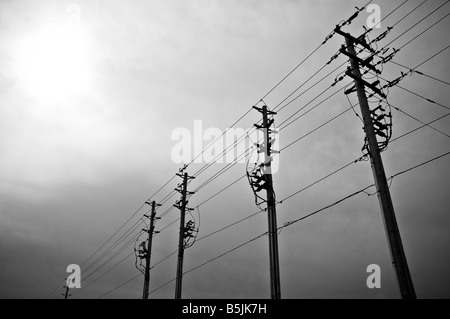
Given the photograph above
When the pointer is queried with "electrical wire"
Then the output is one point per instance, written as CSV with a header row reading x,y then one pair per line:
x,y
415,24
420,121
432,57
120,228
317,128
309,110
431,26
105,273
421,73
222,190
290,223
210,164
404,17
422,97
120,286
285,105
418,128
172,178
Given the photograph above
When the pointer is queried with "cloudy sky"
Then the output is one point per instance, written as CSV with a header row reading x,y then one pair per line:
x,y
91,92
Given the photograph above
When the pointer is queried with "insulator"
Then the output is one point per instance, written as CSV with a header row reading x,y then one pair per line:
x,y
381,133
353,17
377,118
328,38
379,107
260,187
381,126
350,90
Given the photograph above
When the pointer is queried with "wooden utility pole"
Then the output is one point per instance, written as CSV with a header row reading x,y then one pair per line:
x,y
397,253
275,288
182,207
66,294
150,231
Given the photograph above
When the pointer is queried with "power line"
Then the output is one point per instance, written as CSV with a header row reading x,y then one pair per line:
x,y
289,145
208,165
231,225
301,85
294,99
414,25
312,108
265,95
421,164
433,56
424,31
123,225
116,243
113,234
405,16
173,177
224,169
120,228
106,262
105,273
317,128
321,179
301,190
420,121
298,219
421,96
252,215
240,138
418,128
305,59
400,5
222,190
56,290
126,245
324,208
413,69
220,172
114,289
420,73
320,126
205,167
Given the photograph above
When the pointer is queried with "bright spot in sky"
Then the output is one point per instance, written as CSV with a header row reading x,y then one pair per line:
x,y
53,63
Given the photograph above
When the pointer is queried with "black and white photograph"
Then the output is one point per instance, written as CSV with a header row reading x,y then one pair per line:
x,y
224,150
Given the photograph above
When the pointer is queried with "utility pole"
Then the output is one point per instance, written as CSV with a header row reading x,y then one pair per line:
x,y
148,255
397,253
66,294
275,289
183,208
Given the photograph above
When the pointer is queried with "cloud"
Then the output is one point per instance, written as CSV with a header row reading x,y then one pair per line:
x,y
73,171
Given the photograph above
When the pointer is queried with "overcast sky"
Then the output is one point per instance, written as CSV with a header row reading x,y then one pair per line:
x,y
91,91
